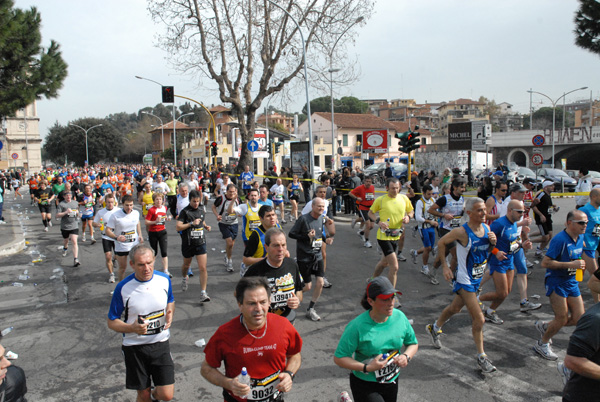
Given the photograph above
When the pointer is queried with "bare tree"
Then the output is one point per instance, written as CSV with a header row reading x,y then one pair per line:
x,y
250,48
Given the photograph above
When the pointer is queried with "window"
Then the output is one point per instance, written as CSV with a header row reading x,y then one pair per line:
x,y
317,160
345,140
328,164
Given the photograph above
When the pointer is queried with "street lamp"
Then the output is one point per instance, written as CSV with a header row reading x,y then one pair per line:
x,y
331,71
87,156
310,138
554,102
175,139
162,130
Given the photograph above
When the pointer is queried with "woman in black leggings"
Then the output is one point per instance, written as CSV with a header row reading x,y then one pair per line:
x,y
155,222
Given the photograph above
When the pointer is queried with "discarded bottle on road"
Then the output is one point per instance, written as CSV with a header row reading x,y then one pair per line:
x,y
18,284
6,331
244,378
344,397
37,260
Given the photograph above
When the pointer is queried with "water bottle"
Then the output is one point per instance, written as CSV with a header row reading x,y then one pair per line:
x,y
579,274
102,225
6,331
344,397
244,378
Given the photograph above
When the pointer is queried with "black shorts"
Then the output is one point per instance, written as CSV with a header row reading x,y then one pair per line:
x,y
189,251
295,198
442,232
370,391
159,239
308,268
364,213
228,231
108,245
45,209
121,253
147,364
545,227
388,246
67,233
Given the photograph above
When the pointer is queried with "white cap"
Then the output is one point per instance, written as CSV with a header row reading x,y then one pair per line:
x,y
547,183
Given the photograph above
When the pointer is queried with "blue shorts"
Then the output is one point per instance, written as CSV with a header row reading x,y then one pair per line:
x,y
469,288
502,268
277,202
428,237
520,262
228,231
590,253
563,287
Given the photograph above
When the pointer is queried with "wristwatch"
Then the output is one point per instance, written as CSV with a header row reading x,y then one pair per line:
x,y
407,357
292,375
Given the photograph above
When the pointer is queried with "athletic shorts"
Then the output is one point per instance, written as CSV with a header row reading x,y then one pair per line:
x,y
121,253
472,288
563,287
442,233
295,198
520,262
191,251
428,237
85,218
501,268
45,209
66,233
308,268
545,227
388,246
277,202
228,231
108,245
590,253
159,239
371,391
147,364
364,213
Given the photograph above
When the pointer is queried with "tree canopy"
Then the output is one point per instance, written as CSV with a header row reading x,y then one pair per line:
x,y
27,70
348,104
587,26
542,119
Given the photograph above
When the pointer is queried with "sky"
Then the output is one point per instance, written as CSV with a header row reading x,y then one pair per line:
x,y
426,50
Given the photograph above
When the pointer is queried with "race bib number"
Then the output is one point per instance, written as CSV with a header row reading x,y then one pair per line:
x,y
514,246
317,243
596,230
527,203
394,232
387,373
280,297
426,225
455,222
230,218
130,236
369,196
197,235
254,224
156,322
72,214
296,192
478,270
162,219
279,197
264,389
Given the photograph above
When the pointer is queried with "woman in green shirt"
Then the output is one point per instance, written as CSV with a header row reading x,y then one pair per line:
x,y
371,345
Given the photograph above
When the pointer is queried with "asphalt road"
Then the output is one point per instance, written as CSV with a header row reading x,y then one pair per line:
x,y
68,353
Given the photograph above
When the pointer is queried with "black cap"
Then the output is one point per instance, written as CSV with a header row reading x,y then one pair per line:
x,y
381,287
528,180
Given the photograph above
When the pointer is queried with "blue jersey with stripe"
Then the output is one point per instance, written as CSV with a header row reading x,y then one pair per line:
x,y
472,258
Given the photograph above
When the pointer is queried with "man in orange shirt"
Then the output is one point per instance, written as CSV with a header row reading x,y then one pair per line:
x,y
364,196
33,187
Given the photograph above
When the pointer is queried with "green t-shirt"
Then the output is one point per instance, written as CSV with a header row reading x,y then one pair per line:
x,y
172,186
364,339
58,188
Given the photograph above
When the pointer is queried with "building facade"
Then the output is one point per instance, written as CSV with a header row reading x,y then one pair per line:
x,y
21,141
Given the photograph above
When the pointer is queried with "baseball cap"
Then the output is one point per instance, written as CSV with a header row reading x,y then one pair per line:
x,y
518,187
547,183
381,287
528,180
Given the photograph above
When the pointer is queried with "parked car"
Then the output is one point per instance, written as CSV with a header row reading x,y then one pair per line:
x,y
558,176
595,177
377,172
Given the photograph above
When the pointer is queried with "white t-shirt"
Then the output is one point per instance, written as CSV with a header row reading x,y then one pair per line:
x,y
161,188
126,225
182,203
308,208
105,215
278,191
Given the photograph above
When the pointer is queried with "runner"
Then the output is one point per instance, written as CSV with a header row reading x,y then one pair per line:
x,y
159,186
364,196
228,222
44,197
427,225
256,249
294,189
543,209
108,244
155,222
592,235
16,184
278,191
182,198
263,191
191,224
395,210
87,200
246,177
68,210
473,240
494,204
172,194
33,187
562,261
273,359
248,211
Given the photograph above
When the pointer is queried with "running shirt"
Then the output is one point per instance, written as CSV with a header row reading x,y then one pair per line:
x,y
307,249
296,188
496,209
33,184
182,202
87,204
194,235
124,224
508,240
421,214
527,200
161,188
472,258
392,211
147,202
43,196
367,195
264,353
58,188
172,184
69,221
592,231
278,191
246,178
133,299
222,204
157,214
544,206
448,204
563,248
256,247
103,216
250,218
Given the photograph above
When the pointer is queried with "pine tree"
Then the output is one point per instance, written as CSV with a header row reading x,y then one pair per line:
x,y
27,70
587,25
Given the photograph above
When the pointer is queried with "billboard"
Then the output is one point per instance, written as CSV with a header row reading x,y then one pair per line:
x,y
459,136
299,156
375,141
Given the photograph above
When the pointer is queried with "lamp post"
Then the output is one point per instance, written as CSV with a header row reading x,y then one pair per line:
x,y
162,130
87,156
310,139
554,102
175,138
331,71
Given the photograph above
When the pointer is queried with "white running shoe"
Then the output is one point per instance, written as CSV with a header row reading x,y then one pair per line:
x,y
368,244
414,254
401,257
312,314
361,234
111,278
544,350
184,284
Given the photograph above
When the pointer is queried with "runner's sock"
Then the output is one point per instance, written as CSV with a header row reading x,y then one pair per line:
x,y
311,305
45,223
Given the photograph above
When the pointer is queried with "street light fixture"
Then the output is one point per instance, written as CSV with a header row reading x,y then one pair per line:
x,y
554,102
331,71
162,130
87,156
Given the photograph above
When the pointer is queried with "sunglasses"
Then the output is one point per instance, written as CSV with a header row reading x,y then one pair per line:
x,y
520,211
582,223
503,191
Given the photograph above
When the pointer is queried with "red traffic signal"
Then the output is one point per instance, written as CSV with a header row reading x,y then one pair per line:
x,y
213,144
168,95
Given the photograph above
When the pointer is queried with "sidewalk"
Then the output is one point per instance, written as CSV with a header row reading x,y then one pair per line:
x,y
12,240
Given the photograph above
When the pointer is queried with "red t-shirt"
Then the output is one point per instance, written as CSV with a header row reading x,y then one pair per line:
x,y
157,214
368,196
264,358
527,200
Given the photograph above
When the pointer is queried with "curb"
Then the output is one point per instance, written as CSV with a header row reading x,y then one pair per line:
x,y
18,243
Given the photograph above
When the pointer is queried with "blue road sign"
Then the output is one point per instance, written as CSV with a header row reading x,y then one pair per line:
x,y
253,146
538,140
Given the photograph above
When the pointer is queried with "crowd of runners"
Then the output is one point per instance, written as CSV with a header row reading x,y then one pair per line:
x,y
478,241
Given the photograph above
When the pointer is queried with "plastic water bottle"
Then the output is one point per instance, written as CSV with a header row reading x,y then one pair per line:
x,y
344,397
6,331
244,378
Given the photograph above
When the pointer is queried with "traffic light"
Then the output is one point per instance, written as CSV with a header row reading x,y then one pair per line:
x,y
269,146
276,145
413,141
168,95
213,148
403,141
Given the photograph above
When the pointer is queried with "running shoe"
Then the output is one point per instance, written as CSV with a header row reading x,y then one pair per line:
x,y
361,234
435,336
226,260
190,273
46,229
76,262
83,237
401,257
229,266
415,231
312,315
111,278
414,254
168,273
485,364
283,221
184,284
433,280
353,222
93,240
541,326
544,350
564,372
326,283
434,251
204,297
65,251
493,317
529,264
50,223
425,270
368,244
529,306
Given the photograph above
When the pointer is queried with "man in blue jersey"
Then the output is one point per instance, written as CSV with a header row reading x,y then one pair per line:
x,y
142,310
592,235
502,268
562,261
473,240
247,177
